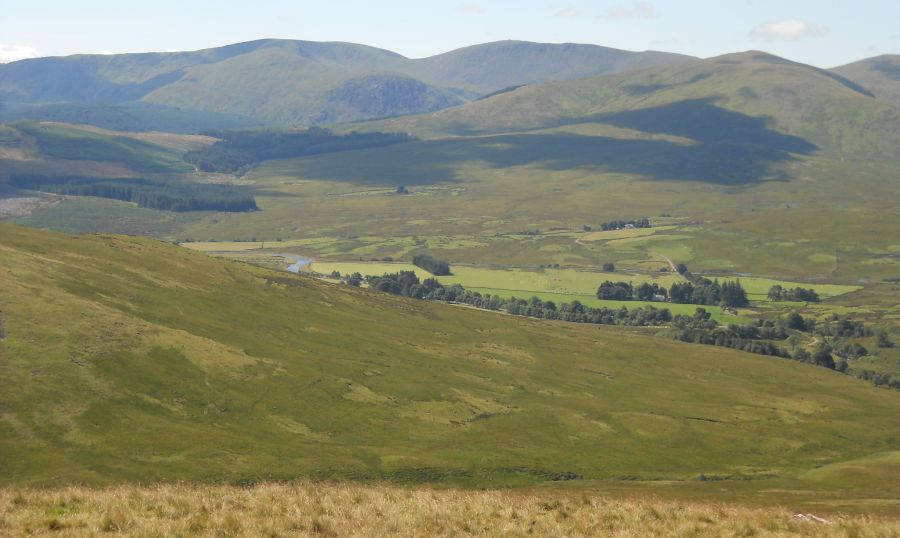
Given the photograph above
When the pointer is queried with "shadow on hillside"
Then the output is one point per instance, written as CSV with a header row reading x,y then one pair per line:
x,y
727,148
701,120
723,162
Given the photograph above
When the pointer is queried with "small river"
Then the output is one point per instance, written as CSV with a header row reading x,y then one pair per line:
x,y
299,264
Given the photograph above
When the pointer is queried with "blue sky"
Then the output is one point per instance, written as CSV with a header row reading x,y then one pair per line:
x,y
825,33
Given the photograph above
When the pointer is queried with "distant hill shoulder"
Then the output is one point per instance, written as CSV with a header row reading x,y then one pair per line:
x,y
880,75
491,67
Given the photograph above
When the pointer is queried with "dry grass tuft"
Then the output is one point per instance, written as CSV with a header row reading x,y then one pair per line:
x,y
331,510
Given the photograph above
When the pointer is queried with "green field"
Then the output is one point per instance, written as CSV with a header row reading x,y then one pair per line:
x,y
758,288
591,300
130,359
563,281
560,286
563,285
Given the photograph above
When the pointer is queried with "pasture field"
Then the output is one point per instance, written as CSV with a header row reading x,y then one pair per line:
x,y
570,283
322,509
558,285
758,288
592,300
562,281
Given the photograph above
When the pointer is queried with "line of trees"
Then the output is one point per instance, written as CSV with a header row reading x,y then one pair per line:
x,y
406,283
622,224
626,291
779,293
237,150
839,345
705,292
433,266
153,194
615,291
702,329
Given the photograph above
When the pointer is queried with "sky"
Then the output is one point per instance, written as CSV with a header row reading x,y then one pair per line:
x,y
825,33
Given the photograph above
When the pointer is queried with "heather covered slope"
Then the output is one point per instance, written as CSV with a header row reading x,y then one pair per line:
x,y
131,359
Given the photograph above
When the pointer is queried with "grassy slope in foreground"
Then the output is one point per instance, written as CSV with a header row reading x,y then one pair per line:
x,y
357,510
129,359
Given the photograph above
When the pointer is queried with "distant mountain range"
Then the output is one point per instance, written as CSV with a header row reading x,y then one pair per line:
x,y
743,100
506,86
293,82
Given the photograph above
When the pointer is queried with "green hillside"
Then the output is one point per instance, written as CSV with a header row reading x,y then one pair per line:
x,y
880,75
288,82
747,99
491,67
129,359
129,117
280,83
60,141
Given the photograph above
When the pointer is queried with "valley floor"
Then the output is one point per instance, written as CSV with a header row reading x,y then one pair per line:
x,y
328,509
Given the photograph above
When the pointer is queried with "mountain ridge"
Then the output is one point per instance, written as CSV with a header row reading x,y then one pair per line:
x,y
756,90
288,81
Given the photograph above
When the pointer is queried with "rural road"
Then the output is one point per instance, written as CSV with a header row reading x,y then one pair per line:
x,y
672,266
671,263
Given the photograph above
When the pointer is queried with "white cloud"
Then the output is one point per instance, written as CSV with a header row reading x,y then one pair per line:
x,y
106,53
173,50
567,13
637,10
786,30
471,9
11,53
